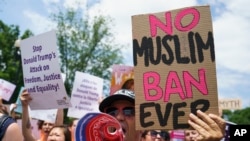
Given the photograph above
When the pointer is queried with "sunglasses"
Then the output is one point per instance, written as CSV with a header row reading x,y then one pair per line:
x,y
127,111
155,133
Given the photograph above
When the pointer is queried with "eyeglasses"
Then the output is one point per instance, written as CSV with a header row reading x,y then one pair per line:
x,y
127,111
154,134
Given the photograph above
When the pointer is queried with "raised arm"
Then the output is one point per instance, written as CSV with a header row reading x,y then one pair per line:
x,y
59,117
26,125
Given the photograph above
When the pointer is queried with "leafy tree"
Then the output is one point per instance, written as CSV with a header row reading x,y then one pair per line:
x,y
10,57
238,116
85,46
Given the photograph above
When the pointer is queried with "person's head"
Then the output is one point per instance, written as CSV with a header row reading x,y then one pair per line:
x,y
59,133
45,126
121,106
72,127
155,135
3,109
191,135
72,124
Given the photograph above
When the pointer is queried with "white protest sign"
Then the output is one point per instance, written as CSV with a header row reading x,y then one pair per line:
x,y
46,115
87,90
6,89
41,72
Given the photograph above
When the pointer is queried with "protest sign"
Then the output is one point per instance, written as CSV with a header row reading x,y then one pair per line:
x,y
41,72
230,104
87,90
122,78
174,67
18,102
46,115
6,89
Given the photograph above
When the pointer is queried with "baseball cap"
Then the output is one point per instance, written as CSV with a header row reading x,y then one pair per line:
x,y
122,94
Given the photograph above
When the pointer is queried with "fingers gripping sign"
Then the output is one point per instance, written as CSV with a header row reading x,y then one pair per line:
x,y
210,127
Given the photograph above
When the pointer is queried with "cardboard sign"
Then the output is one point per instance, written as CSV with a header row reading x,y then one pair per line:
x,y
87,90
41,72
122,78
174,58
6,89
230,104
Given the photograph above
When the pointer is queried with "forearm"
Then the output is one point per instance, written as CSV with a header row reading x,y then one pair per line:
x,y
26,126
59,117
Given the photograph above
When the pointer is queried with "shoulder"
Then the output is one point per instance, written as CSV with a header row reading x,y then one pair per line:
x,y
13,129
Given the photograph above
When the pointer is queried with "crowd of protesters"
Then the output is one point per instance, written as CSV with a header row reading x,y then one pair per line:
x,y
120,105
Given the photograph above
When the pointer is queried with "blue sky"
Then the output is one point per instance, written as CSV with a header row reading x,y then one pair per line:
x,y
231,24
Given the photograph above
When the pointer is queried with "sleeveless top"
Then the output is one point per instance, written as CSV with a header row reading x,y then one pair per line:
x,y
5,121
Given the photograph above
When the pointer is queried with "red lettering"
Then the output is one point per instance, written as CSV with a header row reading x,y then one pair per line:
x,y
189,80
167,27
183,13
154,92
155,22
154,78
173,86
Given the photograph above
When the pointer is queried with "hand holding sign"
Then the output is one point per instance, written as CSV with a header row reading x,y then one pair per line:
x,y
41,71
210,127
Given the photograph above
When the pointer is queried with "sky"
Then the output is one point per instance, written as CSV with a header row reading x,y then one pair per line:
x,y
230,20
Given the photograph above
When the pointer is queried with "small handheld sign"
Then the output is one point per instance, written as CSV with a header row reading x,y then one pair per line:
x,y
98,127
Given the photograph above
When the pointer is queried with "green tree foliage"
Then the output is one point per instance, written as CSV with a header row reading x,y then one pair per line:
x,y
10,57
238,116
85,45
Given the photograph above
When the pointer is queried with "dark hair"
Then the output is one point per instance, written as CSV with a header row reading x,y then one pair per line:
x,y
3,109
40,124
143,135
72,121
166,136
66,132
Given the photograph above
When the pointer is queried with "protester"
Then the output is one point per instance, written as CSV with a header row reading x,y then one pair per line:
x,y
59,133
191,135
43,126
8,126
72,128
155,135
121,105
